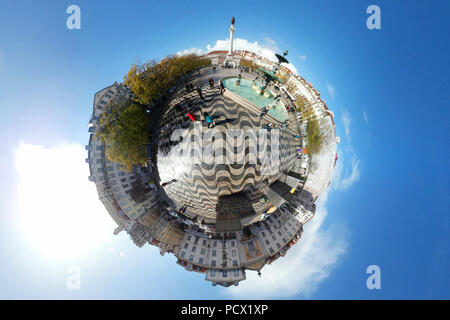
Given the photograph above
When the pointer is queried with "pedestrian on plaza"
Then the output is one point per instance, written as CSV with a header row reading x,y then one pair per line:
x,y
191,116
221,87
263,112
199,91
208,119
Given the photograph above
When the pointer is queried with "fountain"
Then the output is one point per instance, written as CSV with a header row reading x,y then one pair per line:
x,y
261,83
255,91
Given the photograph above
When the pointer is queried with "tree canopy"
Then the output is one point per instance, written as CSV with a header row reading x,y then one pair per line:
x,y
124,128
152,80
314,135
313,132
249,64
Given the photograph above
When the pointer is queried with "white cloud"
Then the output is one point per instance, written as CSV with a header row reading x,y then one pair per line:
x,y
196,51
266,50
59,209
331,90
271,44
353,176
365,117
352,173
309,262
303,58
347,121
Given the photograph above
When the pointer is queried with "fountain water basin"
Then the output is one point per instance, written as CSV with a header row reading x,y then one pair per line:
x,y
251,92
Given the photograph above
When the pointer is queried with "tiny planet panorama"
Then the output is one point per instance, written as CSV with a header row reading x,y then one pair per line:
x,y
217,159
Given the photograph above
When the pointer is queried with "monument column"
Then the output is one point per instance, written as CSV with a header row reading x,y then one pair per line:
x,y
232,29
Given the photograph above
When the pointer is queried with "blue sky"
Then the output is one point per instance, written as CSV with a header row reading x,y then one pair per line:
x,y
388,88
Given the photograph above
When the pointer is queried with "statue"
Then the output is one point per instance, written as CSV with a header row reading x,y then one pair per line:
x,y
232,20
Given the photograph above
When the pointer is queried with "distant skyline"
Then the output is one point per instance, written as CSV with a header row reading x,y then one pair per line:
x,y
387,204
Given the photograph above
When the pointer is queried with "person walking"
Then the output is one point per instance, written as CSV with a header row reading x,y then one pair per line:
x,y
191,116
209,120
221,87
263,112
199,91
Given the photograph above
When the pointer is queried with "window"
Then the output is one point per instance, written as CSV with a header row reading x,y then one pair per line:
x,y
189,238
215,244
213,273
214,253
236,272
200,261
279,233
271,250
267,242
224,273
204,242
263,234
194,248
123,180
235,263
191,258
202,251
232,243
233,253
278,245
182,254
186,245
213,263
284,239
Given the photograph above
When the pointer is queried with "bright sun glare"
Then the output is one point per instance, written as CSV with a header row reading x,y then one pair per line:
x,y
59,209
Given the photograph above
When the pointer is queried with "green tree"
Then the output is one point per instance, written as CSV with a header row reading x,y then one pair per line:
x,y
124,128
314,136
152,80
